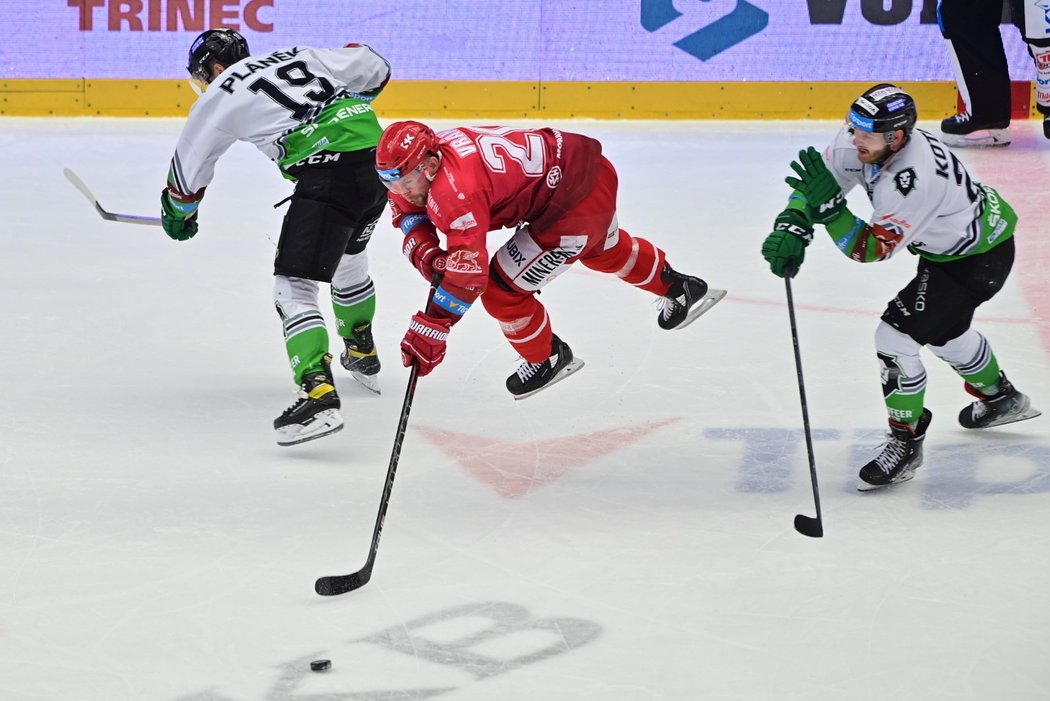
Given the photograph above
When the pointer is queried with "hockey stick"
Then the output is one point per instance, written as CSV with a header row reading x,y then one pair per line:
x,y
806,525
340,584
108,216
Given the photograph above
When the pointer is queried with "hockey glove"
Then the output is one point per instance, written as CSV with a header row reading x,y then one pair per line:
x,y
178,224
785,248
424,344
424,252
818,185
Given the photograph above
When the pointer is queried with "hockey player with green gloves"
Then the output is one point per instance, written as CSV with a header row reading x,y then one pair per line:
x,y
309,111
962,232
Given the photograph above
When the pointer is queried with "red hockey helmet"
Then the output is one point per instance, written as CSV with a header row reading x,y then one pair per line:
x,y
402,149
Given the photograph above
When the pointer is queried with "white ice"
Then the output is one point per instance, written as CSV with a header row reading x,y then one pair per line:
x,y
626,535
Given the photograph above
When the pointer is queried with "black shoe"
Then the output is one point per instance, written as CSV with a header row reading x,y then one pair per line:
x,y
962,130
1004,407
1046,125
360,358
315,412
533,377
687,298
900,456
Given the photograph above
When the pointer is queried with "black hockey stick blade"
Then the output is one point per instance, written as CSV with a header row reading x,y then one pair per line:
x,y
341,584
809,526
107,215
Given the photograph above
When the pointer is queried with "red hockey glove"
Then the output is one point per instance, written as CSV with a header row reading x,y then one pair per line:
x,y
424,252
424,343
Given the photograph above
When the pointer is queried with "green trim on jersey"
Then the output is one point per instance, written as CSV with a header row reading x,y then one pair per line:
x,y
998,224
346,125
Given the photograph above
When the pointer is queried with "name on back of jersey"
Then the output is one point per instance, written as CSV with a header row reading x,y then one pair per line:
x,y
230,77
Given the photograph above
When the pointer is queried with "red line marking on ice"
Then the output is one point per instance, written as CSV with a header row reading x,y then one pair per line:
x,y
866,312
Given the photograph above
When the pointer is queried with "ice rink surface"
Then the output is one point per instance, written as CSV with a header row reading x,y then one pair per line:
x,y
626,535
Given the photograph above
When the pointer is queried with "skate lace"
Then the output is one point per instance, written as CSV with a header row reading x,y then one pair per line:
x,y
893,451
300,397
979,409
527,369
962,118
667,306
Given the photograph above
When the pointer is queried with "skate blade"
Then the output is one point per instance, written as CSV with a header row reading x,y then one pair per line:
x,y
574,365
902,477
1029,413
369,382
324,423
990,138
709,300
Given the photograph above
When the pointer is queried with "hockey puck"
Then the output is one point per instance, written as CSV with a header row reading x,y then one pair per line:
x,y
321,665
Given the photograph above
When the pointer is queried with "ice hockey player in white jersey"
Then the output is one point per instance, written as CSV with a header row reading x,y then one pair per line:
x,y
924,202
309,111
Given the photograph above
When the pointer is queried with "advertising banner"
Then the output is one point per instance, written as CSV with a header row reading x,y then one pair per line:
x,y
520,40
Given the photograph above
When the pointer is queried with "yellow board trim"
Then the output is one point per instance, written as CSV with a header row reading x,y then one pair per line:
x,y
90,97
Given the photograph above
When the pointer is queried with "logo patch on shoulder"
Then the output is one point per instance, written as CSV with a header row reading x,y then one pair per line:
x,y
905,181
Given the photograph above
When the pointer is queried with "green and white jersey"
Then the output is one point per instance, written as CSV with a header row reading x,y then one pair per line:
x,y
291,104
923,199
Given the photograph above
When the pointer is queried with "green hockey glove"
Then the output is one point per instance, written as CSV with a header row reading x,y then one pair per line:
x,y
818,185
785,248
178,224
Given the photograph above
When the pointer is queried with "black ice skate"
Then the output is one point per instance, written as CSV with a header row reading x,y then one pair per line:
x,y
534,377
686,299
1046,125
900,455
315,412
1004,407
964,130
360,357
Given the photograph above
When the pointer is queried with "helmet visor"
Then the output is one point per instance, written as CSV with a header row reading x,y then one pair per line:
x,y
200,78
861,122
403,184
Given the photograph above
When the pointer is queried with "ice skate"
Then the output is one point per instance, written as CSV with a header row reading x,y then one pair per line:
x,y
899,456
686,299
963,130
360,357
1004,407
1046,126
531,378
315,412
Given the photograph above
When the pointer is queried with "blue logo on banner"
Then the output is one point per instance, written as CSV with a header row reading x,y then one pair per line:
x,y
746,20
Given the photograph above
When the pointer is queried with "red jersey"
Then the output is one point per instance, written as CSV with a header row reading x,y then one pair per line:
x,y
496,177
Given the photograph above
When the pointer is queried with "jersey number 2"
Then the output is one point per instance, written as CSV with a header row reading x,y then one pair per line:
x,y
494,145
297,75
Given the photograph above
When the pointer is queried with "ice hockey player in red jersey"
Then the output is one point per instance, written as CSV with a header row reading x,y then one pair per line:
x,y
558,192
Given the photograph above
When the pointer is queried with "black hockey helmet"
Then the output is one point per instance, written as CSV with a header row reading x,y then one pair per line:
x,y
883,109
223,46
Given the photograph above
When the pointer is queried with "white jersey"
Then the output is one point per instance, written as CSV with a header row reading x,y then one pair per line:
x,y
290,103
921,194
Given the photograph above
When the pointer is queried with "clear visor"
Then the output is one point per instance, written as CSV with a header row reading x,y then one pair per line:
x,y
406,184
199,80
